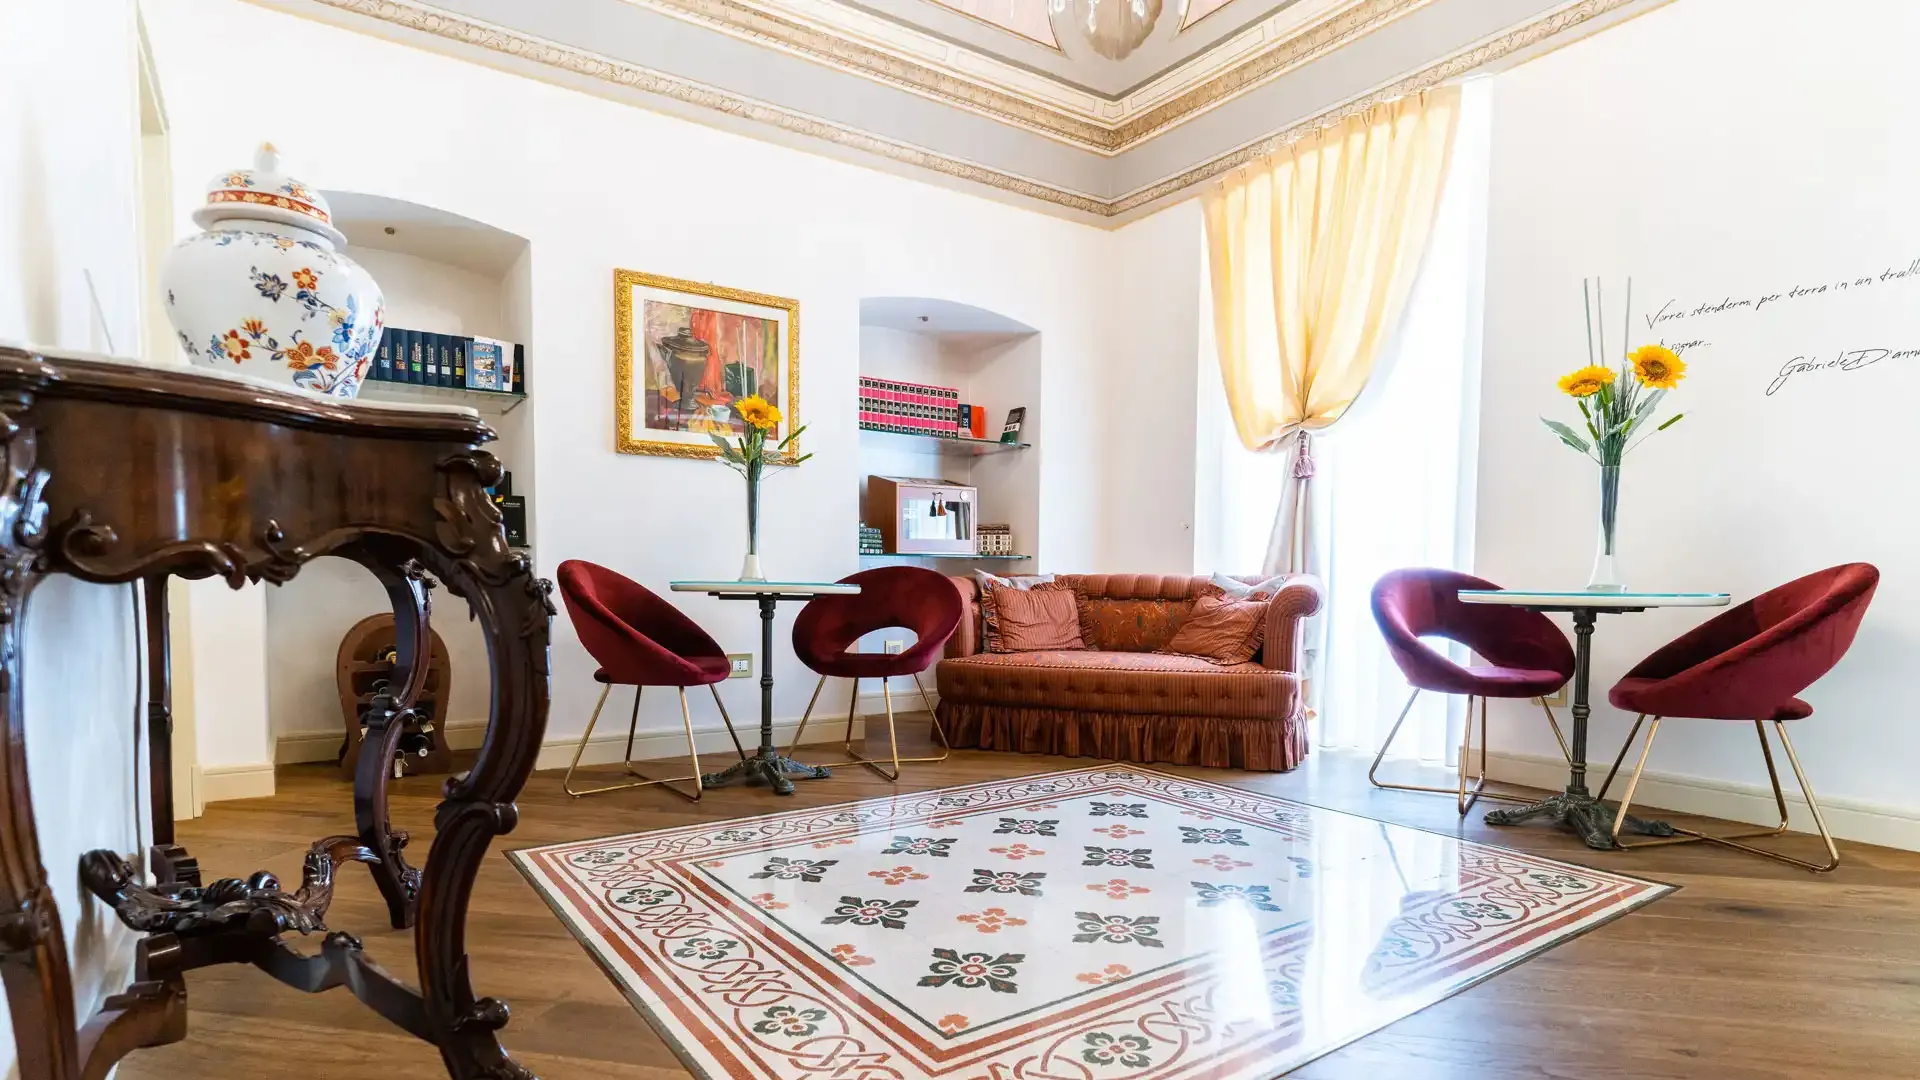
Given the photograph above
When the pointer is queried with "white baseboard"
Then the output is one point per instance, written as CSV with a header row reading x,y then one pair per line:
x,y
609,740
218,783
716,749
608,744
1849,819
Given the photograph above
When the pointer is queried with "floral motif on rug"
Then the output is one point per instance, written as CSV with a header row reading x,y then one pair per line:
x,y
1235,949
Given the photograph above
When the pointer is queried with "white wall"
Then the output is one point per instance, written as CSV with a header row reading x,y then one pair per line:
x,y
1718,149
596,185
68,139
1148,388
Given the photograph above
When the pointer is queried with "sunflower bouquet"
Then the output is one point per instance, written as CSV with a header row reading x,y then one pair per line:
x,y
1616,407
748,454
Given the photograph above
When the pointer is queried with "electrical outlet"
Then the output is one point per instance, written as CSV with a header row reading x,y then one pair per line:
x,y
1558,698
739,665
896,646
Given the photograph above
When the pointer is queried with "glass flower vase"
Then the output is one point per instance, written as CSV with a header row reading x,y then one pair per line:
x,y
1606,561
750,567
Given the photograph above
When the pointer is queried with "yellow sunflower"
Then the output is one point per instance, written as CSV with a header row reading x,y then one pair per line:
x,y
1587,381
758,411
1657,366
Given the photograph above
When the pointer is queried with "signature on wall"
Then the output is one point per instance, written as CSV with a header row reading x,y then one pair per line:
x,y
1845,360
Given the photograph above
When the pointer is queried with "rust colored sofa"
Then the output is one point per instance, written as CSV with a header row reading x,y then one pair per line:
x,y
1122,699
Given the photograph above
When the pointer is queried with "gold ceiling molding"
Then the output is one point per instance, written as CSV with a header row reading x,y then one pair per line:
x,y
1456,66
420,18
980,83
619,73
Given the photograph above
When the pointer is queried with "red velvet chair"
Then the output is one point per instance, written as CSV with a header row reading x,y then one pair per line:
x,y
1527,657
1749,663
904,596
639,640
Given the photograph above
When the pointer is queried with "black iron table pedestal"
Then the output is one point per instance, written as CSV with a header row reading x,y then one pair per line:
x,y
1576,808
767,765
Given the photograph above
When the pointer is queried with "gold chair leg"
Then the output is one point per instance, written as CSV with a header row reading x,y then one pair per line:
x,y
1731,840
1565,750
946,748
1621,756
804,717
727,720
686,716
893,735
1464,797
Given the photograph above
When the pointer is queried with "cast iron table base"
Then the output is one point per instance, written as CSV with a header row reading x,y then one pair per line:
x,y
767,765
1588,817
1576,808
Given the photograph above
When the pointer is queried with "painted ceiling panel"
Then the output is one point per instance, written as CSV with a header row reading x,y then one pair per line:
x,y
1028,18
1200,9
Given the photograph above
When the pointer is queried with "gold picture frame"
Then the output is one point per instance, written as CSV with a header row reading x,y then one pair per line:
x,y
657,407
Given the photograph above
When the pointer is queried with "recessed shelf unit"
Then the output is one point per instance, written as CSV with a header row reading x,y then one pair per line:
x,y
961,446
488,402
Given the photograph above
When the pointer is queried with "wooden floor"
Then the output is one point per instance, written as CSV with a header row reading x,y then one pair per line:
x,y
1751,970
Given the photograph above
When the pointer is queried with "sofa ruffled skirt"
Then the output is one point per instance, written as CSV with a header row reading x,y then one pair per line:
x,y
1266,745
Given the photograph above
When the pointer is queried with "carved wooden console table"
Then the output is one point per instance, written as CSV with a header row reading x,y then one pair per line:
x,y
118,473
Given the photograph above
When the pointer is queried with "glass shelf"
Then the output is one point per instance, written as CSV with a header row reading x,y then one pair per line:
x,y
488,402
960,447
921,555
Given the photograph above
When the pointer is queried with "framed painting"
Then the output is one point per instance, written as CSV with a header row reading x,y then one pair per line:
x,y
686,352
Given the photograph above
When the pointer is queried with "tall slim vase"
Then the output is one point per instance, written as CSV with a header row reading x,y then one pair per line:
x,y
1606,576
750,567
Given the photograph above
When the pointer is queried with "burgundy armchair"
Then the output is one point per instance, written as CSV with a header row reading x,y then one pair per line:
x,y
909,597
639,640
1527,656
1749,663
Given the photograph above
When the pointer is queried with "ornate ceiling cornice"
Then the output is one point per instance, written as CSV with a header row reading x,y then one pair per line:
x,y
888,52
1353,21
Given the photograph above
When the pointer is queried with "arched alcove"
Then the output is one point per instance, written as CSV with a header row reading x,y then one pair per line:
x,y
993,361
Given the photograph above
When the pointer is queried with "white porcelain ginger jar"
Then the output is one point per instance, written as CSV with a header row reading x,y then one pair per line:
x,y
265,291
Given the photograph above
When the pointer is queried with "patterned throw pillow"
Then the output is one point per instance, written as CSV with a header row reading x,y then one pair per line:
x,y
1043,618
1223,630
989,639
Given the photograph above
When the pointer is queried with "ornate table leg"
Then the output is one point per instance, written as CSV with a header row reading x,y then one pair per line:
x,y
767,765
168,860
33,951
407,589
1576,808
514,612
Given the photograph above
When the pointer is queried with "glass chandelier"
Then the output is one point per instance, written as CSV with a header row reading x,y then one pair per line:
x,y
1114,28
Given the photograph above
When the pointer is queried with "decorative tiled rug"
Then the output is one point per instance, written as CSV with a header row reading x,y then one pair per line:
x,y
1111,923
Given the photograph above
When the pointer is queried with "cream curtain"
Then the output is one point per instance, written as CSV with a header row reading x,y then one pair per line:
x,y
1312,252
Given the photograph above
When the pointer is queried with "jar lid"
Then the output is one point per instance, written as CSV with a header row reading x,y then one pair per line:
x,y
265,193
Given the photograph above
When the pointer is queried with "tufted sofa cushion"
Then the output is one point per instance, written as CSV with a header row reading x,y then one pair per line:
x,y
1118,682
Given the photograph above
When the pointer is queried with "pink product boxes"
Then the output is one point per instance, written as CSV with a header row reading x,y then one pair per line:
x,y
909,408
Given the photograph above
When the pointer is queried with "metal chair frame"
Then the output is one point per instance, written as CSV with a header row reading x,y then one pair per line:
x,y
1732,840
893,733
633,722
1464,796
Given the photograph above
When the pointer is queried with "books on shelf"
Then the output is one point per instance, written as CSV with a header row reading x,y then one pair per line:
x,y
909,408
452,361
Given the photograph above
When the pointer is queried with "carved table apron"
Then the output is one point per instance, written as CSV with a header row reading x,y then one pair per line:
x,y
117,472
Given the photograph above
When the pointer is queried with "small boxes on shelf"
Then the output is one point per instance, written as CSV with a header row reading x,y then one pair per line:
x,y
870,542
995,539
909,408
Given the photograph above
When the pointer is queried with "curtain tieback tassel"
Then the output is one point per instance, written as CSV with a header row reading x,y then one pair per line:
x,y
1303,457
